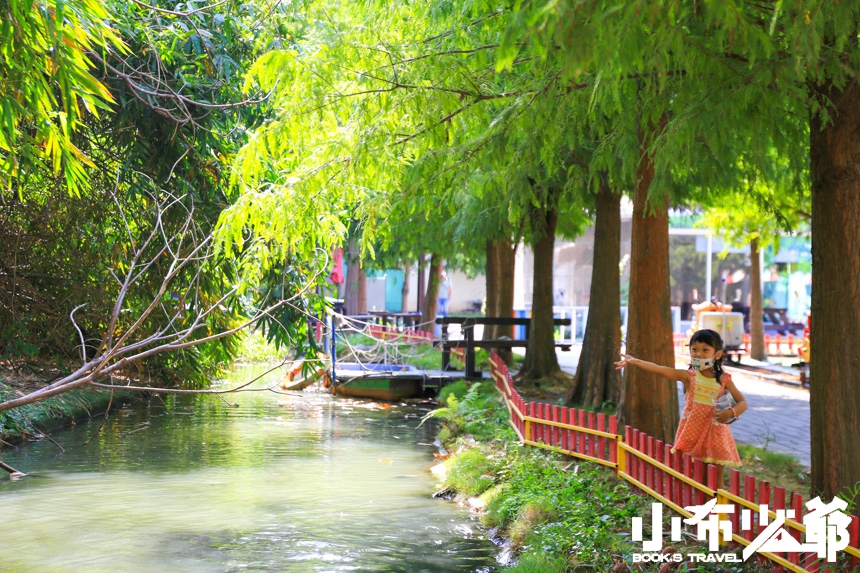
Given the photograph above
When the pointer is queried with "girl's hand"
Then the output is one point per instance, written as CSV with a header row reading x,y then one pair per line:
x,y
625,360
723,416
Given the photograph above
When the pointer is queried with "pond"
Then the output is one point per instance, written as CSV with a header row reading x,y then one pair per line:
x,y
249,482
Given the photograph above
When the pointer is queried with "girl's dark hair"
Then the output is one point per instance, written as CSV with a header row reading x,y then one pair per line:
x,y
711,338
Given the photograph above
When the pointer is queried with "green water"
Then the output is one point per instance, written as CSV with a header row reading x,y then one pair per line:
x,y
297,483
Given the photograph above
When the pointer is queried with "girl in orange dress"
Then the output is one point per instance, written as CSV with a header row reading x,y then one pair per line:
x,y
704,431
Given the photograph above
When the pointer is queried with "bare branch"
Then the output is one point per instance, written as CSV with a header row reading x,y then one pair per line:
x,y
80,333
180,254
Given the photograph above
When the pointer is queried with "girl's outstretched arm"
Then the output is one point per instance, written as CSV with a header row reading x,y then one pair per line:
x,y
664,371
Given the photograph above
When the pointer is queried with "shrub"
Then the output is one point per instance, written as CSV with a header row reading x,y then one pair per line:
x,y
458,389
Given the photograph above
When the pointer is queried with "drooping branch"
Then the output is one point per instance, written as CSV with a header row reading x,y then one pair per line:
x,y
174,259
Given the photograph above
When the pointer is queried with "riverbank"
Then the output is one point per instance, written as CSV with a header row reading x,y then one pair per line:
x,y
38,420
558,514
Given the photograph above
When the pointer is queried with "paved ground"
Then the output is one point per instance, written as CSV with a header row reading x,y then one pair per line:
x,y
777,418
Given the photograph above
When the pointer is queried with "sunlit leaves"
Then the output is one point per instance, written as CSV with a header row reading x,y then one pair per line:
x,y
47,85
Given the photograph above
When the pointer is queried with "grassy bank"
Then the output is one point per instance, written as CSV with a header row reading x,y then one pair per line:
x,y
559,515
55,412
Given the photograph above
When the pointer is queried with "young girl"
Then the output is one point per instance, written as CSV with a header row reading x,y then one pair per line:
x,y
703,432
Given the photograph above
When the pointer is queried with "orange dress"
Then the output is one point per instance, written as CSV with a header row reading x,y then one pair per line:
x,y
699,434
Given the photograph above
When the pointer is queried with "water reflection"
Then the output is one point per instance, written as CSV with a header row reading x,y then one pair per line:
x,y
274,483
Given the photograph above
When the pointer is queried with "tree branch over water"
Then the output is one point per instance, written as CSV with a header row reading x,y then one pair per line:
x,y
170,259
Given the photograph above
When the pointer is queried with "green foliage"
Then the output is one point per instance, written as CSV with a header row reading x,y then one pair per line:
x,y
588,507
33,419
472,471
480,413
539,563
851,496
457,389
179,116
255,349
47,87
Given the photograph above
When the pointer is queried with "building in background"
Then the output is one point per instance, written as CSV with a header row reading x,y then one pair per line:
x,y
700,268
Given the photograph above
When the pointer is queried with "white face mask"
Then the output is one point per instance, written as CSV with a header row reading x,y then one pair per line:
x,y
701,363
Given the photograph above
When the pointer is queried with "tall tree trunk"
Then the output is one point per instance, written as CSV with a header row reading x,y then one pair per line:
x,y
596,378
835,329
421,287
404,292
540,361
501,256
352,287
431,298
507,254
492,281
757,349
649,402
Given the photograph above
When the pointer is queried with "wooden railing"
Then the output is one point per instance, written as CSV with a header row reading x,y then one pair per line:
x,y
676,480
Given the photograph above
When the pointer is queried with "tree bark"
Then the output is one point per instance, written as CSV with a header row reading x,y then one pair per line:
x,y
506,254
354,275
757,348
500,291
492,283
835,328
596,379
404,292
419,269
540,361
649,402
431,298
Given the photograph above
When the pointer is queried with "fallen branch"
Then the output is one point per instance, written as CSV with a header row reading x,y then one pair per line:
x,y
12,471
177,315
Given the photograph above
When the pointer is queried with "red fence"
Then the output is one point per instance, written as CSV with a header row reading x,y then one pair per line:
x,y
774,344
386,332
677,480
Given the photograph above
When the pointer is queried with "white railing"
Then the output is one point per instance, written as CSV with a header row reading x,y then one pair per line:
x,y
578,316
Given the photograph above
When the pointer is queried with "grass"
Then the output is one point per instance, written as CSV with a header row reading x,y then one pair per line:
x,y
778,469
44,416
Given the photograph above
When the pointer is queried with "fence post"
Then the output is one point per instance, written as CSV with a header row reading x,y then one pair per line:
x,y
528,433
592,439
749,495
601,441
735,488
797,506
778,503
613,443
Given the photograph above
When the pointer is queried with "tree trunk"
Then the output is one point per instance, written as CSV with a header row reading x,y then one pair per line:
x,y
540,361
757,349
507,253
404,292
420,294
500,290
431,298
835,328
649,402
492,281
596,379
352,286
